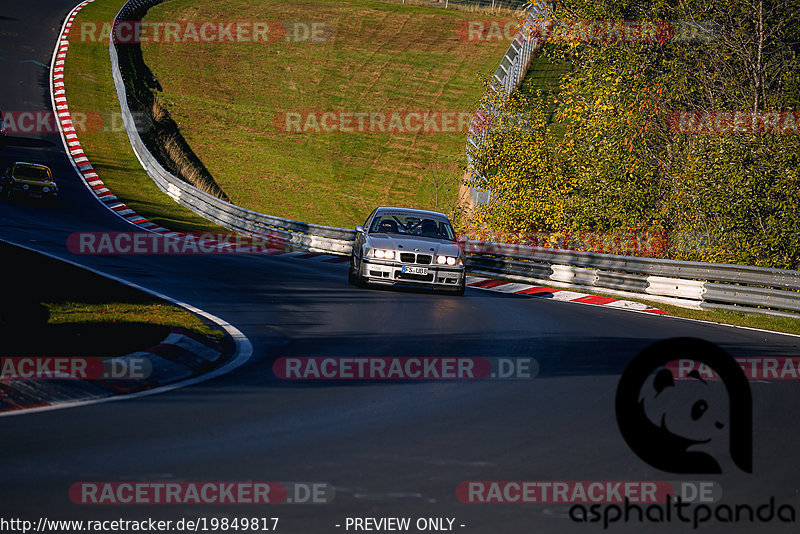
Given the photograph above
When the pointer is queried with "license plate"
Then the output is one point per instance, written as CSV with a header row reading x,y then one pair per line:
x,y
415,270
35,195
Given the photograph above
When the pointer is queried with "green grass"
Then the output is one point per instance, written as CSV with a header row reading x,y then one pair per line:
x,y
90,90
752,320
544,74
384,57
748,319
153,312
104,330
49,312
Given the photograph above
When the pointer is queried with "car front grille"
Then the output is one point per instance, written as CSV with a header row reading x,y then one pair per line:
x,y
31,188
410,257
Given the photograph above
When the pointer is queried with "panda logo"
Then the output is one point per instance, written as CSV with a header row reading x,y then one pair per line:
x,y
680,426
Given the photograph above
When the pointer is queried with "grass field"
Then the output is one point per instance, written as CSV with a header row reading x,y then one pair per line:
x,y
544,74
48,312
382,58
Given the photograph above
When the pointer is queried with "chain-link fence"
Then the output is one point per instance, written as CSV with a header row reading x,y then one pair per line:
x,y
486,4
508,77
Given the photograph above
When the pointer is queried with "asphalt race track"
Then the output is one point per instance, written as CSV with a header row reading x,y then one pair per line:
x,y
389,449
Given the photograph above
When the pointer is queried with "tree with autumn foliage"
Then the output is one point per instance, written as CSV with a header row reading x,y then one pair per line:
x,y
599,153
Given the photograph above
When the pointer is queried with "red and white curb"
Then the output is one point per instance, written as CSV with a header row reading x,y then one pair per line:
x,y
182,355
501,286
530,290
72,144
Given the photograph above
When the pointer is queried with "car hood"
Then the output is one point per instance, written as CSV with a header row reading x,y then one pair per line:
x,y
411,244
31,181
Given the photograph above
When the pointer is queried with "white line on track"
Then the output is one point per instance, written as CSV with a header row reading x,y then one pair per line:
x,y
244,349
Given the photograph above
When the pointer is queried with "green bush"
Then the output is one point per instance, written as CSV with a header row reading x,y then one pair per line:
x,y
602,155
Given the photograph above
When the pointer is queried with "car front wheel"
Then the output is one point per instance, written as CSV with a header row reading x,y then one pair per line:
x,y
460,291
352,273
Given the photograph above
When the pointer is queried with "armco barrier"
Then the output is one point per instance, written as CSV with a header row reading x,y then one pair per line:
x,y
486,4
712,285
709,284
721,272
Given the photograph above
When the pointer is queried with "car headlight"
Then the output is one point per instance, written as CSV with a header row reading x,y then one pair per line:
x,y
449,260
25,187
45,189
384,254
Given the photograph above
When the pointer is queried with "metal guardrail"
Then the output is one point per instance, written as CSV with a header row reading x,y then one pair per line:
x,y
709,284
488,4
721,272
507,78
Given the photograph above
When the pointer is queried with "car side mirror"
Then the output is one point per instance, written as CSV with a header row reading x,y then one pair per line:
x,y
360,229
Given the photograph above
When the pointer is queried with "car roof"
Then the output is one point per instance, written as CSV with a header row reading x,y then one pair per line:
x,y
27,164
423,213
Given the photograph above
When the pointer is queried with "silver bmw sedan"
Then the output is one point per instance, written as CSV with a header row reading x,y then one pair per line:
x,y
410,247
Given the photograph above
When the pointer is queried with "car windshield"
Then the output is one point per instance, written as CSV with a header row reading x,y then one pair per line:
x,y
26,172
412,225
